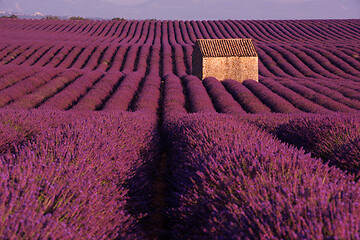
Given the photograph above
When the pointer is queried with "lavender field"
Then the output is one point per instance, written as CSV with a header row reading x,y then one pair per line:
x,y
105,134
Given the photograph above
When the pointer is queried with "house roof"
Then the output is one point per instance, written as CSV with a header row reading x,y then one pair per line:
x,y
226,47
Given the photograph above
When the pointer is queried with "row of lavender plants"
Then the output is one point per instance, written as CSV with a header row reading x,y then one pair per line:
x,y
177,38
82,175
279,62
289,62
184,32
71,94
113,90
42,93
225,180
230,180
332,137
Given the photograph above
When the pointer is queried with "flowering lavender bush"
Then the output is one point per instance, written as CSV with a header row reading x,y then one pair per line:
x,y
229,180
334,138
82,176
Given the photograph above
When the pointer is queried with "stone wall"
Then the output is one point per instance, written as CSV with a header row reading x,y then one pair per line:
x,y
237,68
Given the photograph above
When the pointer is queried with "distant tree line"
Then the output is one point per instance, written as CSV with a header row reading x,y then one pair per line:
x,y
12,16
51,17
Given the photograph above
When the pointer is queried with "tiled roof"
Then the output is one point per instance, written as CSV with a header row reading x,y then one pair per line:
x,y
226,47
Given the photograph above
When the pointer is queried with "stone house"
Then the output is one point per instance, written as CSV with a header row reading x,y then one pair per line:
x,y
225,59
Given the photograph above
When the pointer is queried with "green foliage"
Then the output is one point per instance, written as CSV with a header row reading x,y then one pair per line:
x,y
49,17
77,18
12,16
118,19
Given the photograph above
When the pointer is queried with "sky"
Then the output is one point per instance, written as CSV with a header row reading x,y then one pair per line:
x,y
189,9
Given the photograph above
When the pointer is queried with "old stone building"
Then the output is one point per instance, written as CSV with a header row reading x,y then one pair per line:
x,y
225,59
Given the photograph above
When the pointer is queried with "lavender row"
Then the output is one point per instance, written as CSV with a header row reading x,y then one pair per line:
x,y
88,177
149,95
65,63
222,99
272,100
25,54
71,93
315,96
105,60
90,58
269,63
118,59
337,62
154,60
143,56
294,98
46,91
180,33
326,64
312,63
16,75
229,180
26,86
129,63
179,61
38,54
198,98
351,60
281,62
124,94
7,69
346,88
83,56
100,92
59,57
167,61
46,57
333,94
174,98
247,100
7,50
185,32
333,138
12,54
295,61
